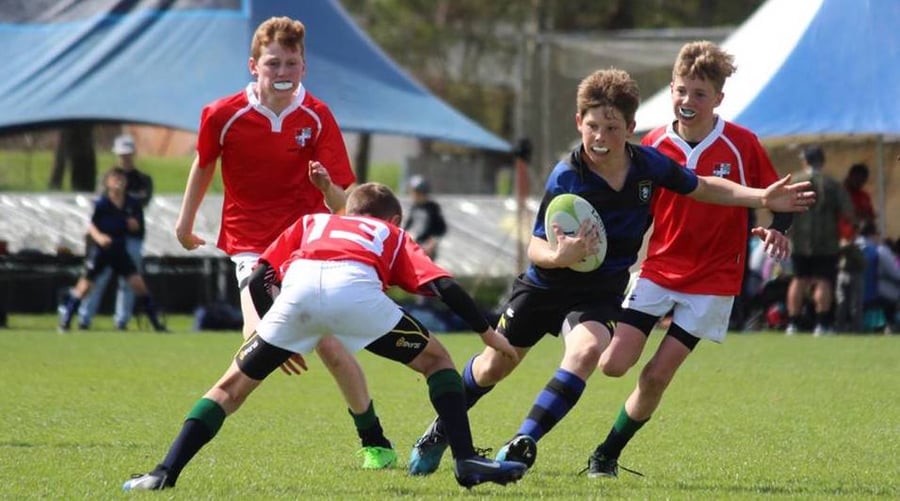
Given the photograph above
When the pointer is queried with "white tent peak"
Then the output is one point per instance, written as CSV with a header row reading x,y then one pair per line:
x,y
809,67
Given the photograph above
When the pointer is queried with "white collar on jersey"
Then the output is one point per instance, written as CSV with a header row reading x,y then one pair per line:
x,y
254,101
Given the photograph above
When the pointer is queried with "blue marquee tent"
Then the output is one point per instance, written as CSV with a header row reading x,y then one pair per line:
x,y
158,62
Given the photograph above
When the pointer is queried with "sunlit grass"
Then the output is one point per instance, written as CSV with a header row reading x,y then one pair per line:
x,y
763,415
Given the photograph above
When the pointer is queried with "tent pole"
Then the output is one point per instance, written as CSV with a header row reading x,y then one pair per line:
x,y
521,186
362,157
882,196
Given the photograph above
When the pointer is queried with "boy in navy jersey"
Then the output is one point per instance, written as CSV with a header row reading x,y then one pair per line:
x,y
139,186
115,215
619,179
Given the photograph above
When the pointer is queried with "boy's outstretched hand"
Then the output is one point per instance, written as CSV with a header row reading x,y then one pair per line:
x,y
775,243
783,197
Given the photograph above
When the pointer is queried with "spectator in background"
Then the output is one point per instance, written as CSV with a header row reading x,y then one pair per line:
x,y
863,209
882,279
816,241
849,287
894,245
139,186
115,215
848,290
425,222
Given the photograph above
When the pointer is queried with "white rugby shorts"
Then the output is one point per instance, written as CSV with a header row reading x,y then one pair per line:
x,y
243,265
341,298
702,315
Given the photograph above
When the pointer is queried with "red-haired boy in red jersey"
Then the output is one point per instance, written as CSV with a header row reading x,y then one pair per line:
x,y
282,157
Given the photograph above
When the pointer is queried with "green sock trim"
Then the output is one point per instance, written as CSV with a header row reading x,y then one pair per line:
x,y
443,382
209,413
627,426
365,420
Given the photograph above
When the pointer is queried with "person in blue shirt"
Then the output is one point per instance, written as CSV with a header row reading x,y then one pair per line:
x,y
140,186
881,280
618,179
116,214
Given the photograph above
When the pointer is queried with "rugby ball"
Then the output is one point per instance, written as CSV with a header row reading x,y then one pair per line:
x,y
567,211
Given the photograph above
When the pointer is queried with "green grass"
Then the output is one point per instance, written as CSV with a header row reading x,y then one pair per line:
x,y
21,171
761,415
30,172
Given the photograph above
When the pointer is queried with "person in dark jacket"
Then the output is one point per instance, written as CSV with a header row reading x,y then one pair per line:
x,y
425,223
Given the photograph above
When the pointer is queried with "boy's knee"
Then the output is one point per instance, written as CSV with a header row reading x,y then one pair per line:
x,y
614,368
429,363
585,359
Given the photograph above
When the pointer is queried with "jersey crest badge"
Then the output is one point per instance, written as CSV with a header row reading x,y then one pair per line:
x,y
302,136
645,189
722,169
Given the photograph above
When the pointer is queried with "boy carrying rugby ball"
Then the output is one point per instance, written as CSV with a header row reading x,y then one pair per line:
x,y
619,179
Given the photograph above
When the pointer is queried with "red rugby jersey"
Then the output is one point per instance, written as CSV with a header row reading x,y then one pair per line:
x,y
265,164
696,247
395,256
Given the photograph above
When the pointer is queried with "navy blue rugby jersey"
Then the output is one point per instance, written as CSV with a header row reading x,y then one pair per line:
x,y
110,219
626,213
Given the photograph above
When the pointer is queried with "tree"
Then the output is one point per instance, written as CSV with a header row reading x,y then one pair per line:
x,y
465,50
462,50
75,149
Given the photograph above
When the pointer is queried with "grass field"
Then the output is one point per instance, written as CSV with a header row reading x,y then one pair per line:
x,y
763,415
29,172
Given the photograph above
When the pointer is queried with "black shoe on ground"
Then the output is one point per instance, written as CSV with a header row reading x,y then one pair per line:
x,y
477,470
521,448
600,466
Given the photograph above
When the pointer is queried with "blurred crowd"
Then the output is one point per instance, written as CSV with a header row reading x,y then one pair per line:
x,y
843,276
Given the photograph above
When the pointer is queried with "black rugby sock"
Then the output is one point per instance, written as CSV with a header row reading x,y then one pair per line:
x,y
368,428
621,433
446,392
200,426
